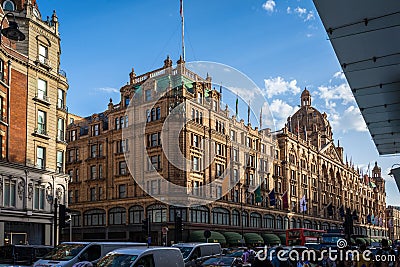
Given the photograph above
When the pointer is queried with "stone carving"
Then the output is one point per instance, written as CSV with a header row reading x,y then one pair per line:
x,y
49,194
30,190
21,189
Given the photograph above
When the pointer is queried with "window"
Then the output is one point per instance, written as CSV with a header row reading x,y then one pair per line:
x,y
199,214
41,123
95,130
72,135
39,198
100,197
235,218
154,139
77,175
215,105
42,90
235,175
196,164
8,5
76,195
9,194
155,163
235,155
93,173
199,98
195,140
219,170
94,217
60,99
122,168
233,135
60,161
117,216
60,129
122,146
40,157
269,221
157,213
100,150
220,216
136,214
1,70
152,115
122,191
100,171
43,54
126,101
147,95
70,197
93,194
255,220
93,151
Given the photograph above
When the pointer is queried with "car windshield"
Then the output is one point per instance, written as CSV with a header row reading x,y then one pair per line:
x,y
64,252
224,261
185,251
117,260
331,239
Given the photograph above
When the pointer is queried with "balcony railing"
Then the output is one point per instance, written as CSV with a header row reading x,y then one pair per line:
x,y
42,98
41,132
62,73
43,61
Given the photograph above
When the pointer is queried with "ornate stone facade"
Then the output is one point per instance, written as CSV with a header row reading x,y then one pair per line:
x,y
109,203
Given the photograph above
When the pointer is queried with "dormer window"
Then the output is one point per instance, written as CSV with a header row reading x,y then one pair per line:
x,y
8,5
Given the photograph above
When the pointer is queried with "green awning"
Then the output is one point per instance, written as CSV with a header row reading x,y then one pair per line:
x,y
232,238
282,237
198,236
253,238
271,239
353,241
360,241
367,240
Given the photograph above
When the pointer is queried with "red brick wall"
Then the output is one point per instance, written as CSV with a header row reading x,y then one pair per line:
x,y
3,127
18,121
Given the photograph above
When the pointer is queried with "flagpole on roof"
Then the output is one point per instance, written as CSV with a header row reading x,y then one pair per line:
x,y
183,30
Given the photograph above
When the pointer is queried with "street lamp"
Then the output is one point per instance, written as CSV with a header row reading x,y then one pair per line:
x,y
12,32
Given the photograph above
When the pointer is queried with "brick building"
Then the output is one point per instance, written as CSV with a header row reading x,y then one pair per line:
x,y
120,176
393,222
33,122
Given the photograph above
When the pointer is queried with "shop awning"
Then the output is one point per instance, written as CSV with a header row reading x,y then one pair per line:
x,y
271,239
232,238
353,241
282,237
360,241
198,236
253,238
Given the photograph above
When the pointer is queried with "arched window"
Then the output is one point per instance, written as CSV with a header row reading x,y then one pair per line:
x,y
220,216
245,219
235,218
8,5
157,213
279,222
307,224
286,223
199,215
136,214
181,212
293,223
255,220
94,217
117,216
269,221
76,219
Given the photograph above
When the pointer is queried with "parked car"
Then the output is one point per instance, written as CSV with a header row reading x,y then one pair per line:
x,y
143,257
22,254
194,252
68,253
222,261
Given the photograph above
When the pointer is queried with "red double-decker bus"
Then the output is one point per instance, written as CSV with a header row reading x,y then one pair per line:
x,y
301,236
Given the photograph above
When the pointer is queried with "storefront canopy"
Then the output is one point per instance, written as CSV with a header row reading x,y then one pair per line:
x,y
232,238
271,239
198,236
253,238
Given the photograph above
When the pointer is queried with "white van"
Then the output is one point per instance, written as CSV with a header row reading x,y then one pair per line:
x,y
68,253
143,257
193,252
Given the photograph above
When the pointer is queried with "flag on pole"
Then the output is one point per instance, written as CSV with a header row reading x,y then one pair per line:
x,y
330,209
285,201
181,9
248,113
257,193
261,118
303,204
271,196
237,105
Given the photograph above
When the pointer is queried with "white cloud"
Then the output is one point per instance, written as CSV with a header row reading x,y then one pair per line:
x,y
349,120
310,16
107,90
289,10
308,35
300,11
269,5
336,92
277,86
339,75
281,111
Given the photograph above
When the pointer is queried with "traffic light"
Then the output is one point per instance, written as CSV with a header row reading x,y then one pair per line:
x,y
145,226
63,215
178,228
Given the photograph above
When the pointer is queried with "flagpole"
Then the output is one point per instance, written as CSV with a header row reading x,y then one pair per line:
x,y
183,31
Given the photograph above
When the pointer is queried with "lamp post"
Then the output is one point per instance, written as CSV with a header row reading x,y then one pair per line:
x,y
12,32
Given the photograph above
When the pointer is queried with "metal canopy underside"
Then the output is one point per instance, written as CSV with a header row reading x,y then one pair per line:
x,y
365,35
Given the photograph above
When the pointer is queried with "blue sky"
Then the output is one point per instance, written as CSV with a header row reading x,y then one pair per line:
x,y
281,45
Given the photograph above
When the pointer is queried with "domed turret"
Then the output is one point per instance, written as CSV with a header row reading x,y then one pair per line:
x,y
305,98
